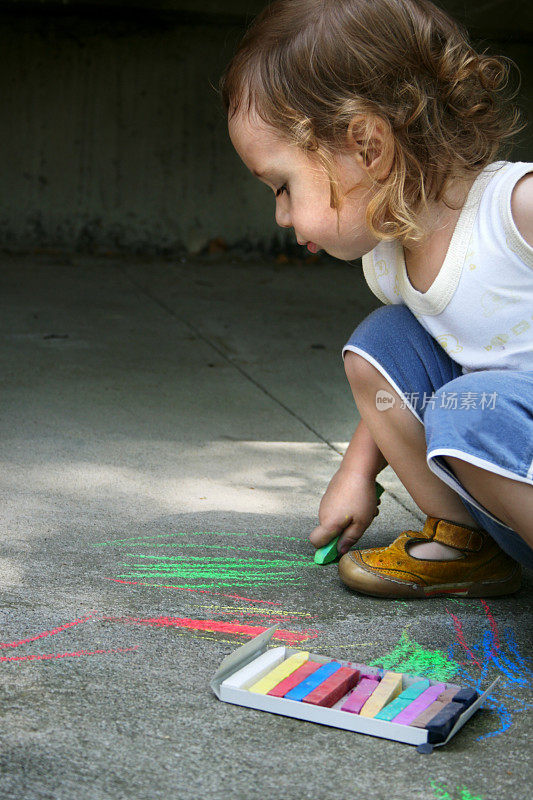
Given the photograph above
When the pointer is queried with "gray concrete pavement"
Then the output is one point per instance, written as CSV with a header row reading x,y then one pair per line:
x,y
167,431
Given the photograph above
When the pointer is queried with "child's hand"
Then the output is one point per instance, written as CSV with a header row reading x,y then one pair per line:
x,y
348,507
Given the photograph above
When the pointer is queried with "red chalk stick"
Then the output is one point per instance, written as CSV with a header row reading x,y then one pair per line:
x,y
360,695
333,688
299,675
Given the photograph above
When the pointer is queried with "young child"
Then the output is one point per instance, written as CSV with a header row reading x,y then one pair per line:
x,y
377,127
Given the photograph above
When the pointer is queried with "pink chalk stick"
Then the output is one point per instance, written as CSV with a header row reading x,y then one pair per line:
x,y
333,688
422,702
299,675
360,695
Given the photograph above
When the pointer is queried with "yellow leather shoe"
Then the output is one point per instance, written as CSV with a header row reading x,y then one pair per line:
x,y
484,570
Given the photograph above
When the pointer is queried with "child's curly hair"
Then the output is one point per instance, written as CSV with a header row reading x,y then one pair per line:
x,y
322,71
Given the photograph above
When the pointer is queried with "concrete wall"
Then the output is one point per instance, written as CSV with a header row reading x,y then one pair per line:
x,y
112,133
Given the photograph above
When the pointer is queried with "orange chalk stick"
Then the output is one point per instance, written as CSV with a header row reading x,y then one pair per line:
x,y
387,689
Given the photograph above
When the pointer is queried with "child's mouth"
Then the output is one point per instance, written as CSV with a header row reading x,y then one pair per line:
x,y
312,247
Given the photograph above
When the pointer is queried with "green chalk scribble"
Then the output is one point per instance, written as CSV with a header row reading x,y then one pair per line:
x,y
409,656
240,548
204,572
461,793
235,565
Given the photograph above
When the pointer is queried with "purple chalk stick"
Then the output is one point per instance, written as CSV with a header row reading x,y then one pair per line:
x,y
422,702
360,695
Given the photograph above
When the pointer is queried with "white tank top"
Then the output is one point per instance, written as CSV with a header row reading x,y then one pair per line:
x,y
480,306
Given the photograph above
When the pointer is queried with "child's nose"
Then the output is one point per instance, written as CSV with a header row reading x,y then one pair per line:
x,y
283,217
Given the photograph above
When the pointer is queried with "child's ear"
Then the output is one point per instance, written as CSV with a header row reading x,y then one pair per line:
x,y
370,140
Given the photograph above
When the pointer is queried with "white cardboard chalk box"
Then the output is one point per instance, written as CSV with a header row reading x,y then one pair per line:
x,y
252,651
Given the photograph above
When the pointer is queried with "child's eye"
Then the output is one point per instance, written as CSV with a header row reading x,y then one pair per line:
x,y
282,189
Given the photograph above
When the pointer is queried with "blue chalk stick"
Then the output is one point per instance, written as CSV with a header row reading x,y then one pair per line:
x,y
403,700
306,686
439,727
415,690
392,709
466,697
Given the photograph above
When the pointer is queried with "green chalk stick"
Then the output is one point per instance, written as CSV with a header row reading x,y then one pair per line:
x,y
329,553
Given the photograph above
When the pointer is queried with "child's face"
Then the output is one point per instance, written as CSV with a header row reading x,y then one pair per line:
x,y
302,190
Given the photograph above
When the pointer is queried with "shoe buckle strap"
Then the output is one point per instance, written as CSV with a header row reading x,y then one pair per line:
x,y
458,536
428,532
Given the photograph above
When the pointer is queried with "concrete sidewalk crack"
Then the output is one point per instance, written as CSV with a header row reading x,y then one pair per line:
x,y
198,333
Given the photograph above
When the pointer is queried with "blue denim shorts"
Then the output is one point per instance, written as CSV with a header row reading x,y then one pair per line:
x,y
483,417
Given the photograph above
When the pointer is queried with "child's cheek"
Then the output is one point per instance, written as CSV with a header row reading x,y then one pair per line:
x,y
311,221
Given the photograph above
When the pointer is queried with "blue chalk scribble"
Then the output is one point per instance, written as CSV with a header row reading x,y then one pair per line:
x,y
495,650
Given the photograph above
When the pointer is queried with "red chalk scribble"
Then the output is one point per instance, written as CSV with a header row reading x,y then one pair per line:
x,y
203,591
76,654
48,633
458,627
271,620
494,628
215,626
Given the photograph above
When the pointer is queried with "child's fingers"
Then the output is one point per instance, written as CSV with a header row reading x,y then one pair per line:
x,y
350,536
323,534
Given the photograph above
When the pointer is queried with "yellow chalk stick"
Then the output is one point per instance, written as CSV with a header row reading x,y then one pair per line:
x,y
279,673
387,689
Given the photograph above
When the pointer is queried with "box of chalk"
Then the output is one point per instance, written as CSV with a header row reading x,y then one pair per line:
x,y
392,705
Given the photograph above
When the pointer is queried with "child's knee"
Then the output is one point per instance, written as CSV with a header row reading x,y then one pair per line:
x,y
361,373
385,316
387,325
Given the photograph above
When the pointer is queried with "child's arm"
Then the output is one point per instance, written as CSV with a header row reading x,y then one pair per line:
x,y
522,207
349,504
